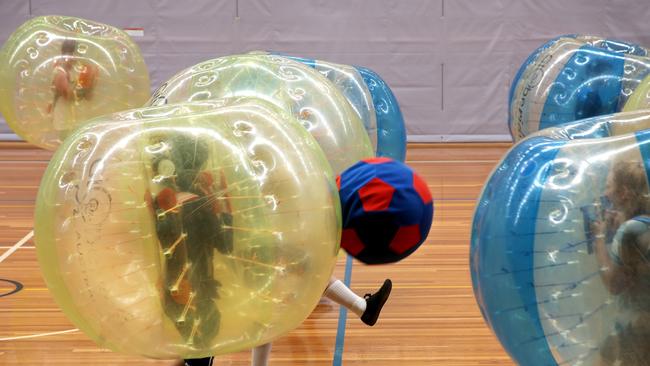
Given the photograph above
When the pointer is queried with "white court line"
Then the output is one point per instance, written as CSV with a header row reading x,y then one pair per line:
x,y
39,335
3,257
16,246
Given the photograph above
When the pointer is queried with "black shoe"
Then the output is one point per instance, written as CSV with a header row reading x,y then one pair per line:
x,y
200,361
375,302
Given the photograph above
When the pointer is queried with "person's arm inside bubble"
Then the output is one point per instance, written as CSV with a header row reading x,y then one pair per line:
x,y
613,272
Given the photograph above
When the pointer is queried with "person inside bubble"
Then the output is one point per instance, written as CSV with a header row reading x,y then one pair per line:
x,y
624,262
73,80
186,214
367,308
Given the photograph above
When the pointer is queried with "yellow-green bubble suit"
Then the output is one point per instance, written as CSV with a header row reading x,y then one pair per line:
x,y
57,72
188,230
302,91
640,98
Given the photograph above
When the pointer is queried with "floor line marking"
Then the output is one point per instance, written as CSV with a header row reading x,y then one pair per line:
x,y
343,316
16,246
39,335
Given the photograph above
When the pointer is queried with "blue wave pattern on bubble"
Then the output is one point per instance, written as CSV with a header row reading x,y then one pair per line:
x,y
391,132
388,124
535,275
589,85
607,44
502,273
624,47
529,60
573,77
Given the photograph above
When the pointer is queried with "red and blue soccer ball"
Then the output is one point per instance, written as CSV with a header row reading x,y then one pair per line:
x,y
387,210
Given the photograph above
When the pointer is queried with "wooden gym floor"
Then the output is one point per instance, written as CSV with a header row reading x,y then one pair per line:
x,y
431,317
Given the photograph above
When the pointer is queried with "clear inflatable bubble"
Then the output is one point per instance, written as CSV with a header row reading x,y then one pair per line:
x,y
350,83
601,126
559,259
57,72
571,78
389,136
302,91
188,230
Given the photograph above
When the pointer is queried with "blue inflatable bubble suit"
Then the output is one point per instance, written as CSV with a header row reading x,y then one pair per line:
x,y
391,132
389,135
560,246
574,77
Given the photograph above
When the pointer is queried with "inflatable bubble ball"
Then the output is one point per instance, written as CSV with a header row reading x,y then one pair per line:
x,y
561,244
57,72
573,77
298,89
366,90
188,230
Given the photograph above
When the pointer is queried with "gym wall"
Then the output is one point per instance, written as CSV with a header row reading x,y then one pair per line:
x,y
449,62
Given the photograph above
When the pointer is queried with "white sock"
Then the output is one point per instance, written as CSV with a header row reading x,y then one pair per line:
x,y
261,355
338,292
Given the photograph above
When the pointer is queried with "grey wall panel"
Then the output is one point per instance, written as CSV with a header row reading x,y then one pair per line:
x,y
397,39
474,83
478,44
625,19
195,26
118,13
356,27
12,14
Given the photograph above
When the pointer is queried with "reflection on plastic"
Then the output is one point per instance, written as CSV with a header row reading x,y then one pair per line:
x,y
57,72
391,132
640,98
389,135
288,84
559,259
349,82
188,230
571,78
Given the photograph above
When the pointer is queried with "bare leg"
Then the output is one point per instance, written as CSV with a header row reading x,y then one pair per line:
x,y
260,355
